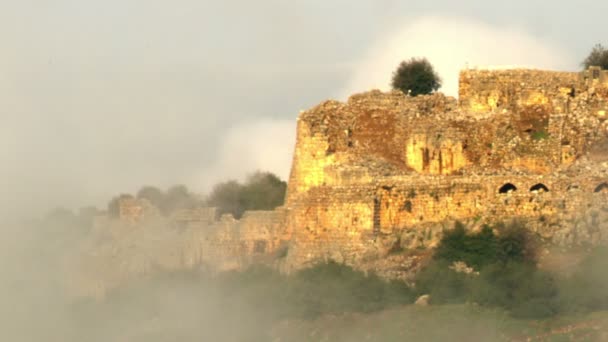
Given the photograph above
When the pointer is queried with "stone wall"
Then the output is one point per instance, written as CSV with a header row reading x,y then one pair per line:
x,y
119,250
483,91
385,169
134,210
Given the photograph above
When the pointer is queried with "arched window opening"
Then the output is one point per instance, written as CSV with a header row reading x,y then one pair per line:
x,y
539,187
601,187
507,188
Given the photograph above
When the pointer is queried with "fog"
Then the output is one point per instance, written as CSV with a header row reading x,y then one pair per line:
x,y
41,302
100,98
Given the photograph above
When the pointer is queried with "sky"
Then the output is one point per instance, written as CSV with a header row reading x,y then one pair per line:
x,y
103,97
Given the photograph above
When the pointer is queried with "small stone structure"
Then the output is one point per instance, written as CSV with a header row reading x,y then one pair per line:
x,y
385,172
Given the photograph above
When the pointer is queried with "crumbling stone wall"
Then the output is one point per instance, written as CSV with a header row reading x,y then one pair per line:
x,y
123,249
230,244
487,91
134,210
394,171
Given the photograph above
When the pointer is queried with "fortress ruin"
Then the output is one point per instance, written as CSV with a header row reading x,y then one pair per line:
x,y
385,172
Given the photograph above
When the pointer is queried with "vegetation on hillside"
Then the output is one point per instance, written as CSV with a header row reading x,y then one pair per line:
x,y
506,275
236,306
503,285
505,297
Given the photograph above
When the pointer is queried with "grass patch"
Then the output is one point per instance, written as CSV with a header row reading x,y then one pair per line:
x,y
540,135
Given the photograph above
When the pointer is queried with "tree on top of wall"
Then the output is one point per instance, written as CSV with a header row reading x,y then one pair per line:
x,y
153,194
597,57
416,77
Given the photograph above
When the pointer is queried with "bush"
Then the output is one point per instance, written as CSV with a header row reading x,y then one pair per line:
x,y
517,287
327,288
443,284
153,194
516,244
507,274
178,197
336,288
416,77
597,57
261,191
475,250
540,135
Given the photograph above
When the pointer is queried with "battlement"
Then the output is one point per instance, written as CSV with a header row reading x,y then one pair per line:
x,y
482,91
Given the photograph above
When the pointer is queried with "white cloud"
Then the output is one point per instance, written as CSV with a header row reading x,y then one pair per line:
x,y
451,44
265,145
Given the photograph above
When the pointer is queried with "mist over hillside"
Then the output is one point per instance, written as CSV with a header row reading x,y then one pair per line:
x,y
259,304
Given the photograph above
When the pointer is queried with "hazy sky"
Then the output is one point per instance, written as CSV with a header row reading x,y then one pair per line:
x,y
99,97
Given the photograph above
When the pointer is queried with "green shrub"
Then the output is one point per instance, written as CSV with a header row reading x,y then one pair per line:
x,y
153,194
443,284
261,191
507,275
516,243
416,77
597,57
517,287
540,135
336,288
475,250
327,288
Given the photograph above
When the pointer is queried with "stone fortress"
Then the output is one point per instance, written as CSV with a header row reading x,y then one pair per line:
x,y
376,180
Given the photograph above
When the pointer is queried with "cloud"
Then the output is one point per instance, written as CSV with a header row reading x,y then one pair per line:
x,y
451,44
104,104
266,145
